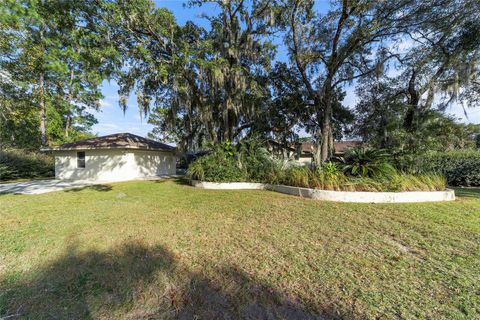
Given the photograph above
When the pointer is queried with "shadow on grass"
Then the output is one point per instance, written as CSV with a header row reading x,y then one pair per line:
x,y
139,281
180,181
467,192
93,187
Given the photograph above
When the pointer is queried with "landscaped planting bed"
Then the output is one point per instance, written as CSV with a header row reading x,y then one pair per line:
x,y
362,176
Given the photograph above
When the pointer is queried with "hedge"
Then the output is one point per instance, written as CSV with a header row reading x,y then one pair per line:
x,y
460,168
15,164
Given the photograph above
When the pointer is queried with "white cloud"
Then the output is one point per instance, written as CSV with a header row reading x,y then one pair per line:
x,y
104,103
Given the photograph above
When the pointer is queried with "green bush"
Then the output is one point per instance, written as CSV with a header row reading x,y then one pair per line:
x,y
330,177
256,161
247,161
15,164
367,163
460,168
218,166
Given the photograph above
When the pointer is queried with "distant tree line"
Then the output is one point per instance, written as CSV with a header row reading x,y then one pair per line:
x,y
409,60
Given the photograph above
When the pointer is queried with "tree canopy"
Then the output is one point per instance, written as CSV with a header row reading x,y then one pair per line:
x,y
225,80
53,61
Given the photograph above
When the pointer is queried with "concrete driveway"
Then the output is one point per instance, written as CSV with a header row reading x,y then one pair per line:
x,y
42,186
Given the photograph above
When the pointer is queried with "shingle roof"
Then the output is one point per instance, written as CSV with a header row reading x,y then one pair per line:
x,y
342,146
116,141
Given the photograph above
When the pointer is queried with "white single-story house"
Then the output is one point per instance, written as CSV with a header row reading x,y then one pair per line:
x,y
116,157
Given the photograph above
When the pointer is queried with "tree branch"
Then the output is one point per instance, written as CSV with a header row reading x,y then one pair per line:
x,y
295,50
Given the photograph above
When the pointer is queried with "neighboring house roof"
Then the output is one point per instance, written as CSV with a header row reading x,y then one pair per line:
x,y
342,146
306,148
116,141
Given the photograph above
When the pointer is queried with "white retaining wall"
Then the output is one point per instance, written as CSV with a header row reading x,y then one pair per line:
x,y
228,185
367,197
339,196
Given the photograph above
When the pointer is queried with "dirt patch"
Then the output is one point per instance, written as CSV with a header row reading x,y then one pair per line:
x,y
405,248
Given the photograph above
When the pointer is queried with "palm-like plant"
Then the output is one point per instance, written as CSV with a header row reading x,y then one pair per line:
x,y
365,162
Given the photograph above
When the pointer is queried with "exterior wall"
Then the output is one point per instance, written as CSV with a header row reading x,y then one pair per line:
x,y
154,163
305,160
113,165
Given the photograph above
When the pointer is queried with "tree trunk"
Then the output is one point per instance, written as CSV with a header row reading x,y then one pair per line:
x,y
226,118
413,100
326,136
317,147
323,137
68,123
326,128
43,114
41,97
330,142
317,135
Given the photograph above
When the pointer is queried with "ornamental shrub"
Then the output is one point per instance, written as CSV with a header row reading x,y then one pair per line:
x,y
416,182
297,177
330,177
460,168
247,161
256,161
15,164
220,165
367,163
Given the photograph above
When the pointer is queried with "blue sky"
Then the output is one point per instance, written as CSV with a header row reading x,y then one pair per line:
x,y
111,118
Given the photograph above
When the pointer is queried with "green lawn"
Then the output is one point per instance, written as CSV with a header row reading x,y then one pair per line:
x,y
167,250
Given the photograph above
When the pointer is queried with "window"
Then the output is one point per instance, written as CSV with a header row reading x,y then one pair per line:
x,y
81,159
